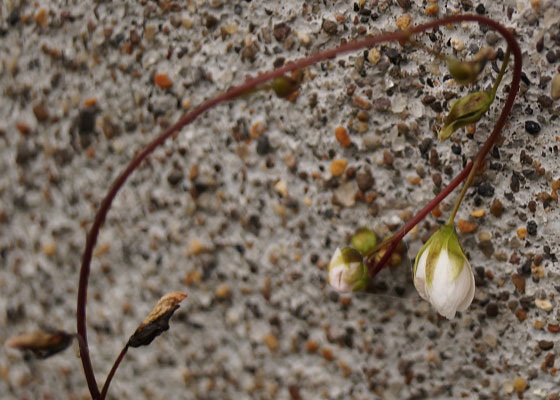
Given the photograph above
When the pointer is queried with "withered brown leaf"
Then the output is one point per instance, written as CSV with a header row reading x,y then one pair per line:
x,y
41,344
157,321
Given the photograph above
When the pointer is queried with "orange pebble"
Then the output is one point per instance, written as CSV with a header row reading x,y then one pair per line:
x,y
478,213
90,102
163,81
338,166
342,136
432,9
465,226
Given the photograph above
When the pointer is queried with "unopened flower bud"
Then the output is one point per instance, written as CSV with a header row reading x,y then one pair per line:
x,y
465,111
347,272
465,72
442,273
284,86
364,240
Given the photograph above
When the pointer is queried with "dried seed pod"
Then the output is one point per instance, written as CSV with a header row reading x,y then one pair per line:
x,y
157,321
41,344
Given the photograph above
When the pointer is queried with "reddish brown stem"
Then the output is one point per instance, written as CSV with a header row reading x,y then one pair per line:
x,y
112,373
515,80
231,94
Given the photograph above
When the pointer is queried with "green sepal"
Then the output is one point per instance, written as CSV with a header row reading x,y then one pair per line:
x,y
456,255
350,256
433,254
465,72
444,239
362,283
465,111
420,252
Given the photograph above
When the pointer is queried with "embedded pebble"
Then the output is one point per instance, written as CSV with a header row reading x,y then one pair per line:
x,y
374,55
365,180
543,304
532,127
457,44
345,194
519,282
338,166
520,384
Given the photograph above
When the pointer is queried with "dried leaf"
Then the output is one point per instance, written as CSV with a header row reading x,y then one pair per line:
x,y
41,344
157,321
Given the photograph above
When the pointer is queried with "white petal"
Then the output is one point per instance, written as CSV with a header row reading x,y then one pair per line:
x,y
420,277
446,295
468,276
337,281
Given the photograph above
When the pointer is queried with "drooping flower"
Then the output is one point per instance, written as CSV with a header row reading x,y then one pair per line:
x,y
442,273
346,271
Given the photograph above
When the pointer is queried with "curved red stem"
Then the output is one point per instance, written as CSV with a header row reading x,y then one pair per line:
x,y
231,94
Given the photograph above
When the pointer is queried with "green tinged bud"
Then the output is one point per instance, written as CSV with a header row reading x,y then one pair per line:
x,y
465,72
464,111
347,272
285,86
442,273
364,240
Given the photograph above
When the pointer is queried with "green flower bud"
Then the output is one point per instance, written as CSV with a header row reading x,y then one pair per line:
x,y
465,72
347,272
364,240
285,86
464,111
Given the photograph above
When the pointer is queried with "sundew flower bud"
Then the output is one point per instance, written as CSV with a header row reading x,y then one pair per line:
x,y
364,240
347,272
465,72
464,111
442,273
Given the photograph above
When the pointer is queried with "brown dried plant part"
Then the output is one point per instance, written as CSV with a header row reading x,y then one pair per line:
x,y
158,321
41,344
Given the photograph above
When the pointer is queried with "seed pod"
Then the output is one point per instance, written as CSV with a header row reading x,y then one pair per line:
x,y
157,321
41,344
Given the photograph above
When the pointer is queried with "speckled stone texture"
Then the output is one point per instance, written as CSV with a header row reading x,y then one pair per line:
x,y
241,211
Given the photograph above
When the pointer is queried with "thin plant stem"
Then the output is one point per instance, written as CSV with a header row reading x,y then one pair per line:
x,y
112,373
502,72
513,46
235,92
478,161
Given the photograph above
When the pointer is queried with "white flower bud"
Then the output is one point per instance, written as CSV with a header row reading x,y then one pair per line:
x,y
347,272
442,273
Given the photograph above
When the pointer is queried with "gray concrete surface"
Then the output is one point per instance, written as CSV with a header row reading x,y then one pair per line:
x,y
246,225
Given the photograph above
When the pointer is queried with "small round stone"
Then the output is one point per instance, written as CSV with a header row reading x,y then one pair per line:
x,y
532,228
532,127
486,189
263,145
492,310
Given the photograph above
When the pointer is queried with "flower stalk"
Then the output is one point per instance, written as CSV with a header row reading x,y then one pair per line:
x,y
478,160
238,91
